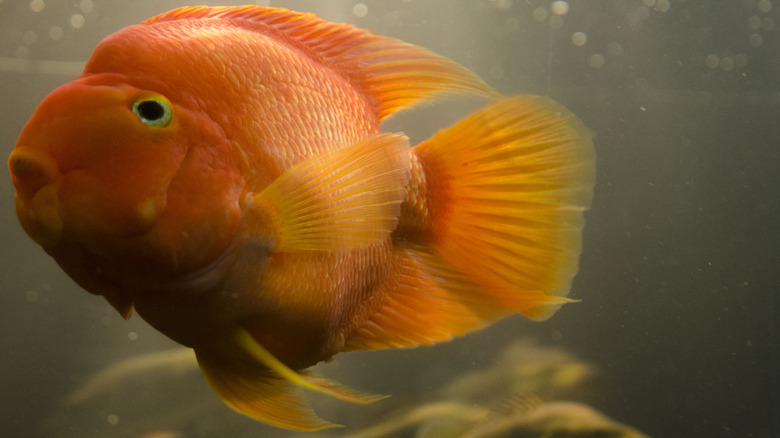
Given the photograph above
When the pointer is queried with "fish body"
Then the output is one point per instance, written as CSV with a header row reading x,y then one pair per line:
x,y
222,171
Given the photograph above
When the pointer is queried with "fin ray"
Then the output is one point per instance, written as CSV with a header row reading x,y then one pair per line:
x,y
507,187
426,300
395,75
304,380
344,199
261,395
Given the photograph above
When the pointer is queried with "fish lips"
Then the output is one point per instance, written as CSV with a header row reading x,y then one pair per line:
x,y
35,176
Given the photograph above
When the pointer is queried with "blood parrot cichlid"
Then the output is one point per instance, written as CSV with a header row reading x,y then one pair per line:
x,y
222,171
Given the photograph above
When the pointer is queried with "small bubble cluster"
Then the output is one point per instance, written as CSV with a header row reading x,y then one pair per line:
x,y
759,23
55,31
554,14
726,62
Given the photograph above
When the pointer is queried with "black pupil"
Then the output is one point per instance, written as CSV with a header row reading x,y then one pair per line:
x,y
151,110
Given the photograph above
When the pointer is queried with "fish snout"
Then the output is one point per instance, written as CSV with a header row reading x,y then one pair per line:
x,y
37,205
32,170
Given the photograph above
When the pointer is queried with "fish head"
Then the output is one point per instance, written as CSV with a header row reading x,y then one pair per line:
x,y
118,181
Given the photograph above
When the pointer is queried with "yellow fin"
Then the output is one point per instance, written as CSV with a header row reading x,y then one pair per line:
x,y
393,74
305,380
507,187
260,394
425,300
344,199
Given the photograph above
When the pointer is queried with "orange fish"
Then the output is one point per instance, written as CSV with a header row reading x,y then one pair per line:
x,y
222,171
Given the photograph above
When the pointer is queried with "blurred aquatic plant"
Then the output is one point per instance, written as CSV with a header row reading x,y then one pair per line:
x,y
161,394
525,367
508,400
525,416
154,395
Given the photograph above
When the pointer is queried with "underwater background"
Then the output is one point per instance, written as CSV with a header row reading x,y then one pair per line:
x,y
676,333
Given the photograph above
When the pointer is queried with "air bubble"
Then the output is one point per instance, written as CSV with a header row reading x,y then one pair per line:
x,y
597,60
540,14
754,22
712,61
614,49
727,63
579,39
559,7
56,33
632,18
360,10
37,5
77,21
86,6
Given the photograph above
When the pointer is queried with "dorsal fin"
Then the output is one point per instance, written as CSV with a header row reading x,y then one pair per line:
x,y
393,74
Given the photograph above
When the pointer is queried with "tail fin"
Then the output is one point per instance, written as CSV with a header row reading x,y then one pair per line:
x,y
505,193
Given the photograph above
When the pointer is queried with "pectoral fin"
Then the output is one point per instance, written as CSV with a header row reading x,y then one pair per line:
x,y
344,199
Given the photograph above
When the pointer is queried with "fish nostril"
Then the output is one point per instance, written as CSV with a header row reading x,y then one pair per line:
x,y
31,170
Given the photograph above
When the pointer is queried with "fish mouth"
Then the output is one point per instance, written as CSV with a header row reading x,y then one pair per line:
x,y
40,216
35,175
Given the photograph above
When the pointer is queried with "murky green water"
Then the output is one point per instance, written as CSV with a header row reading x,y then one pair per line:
x,y
677,324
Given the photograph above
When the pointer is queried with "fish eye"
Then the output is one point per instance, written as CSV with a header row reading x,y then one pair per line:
x,y
153,111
